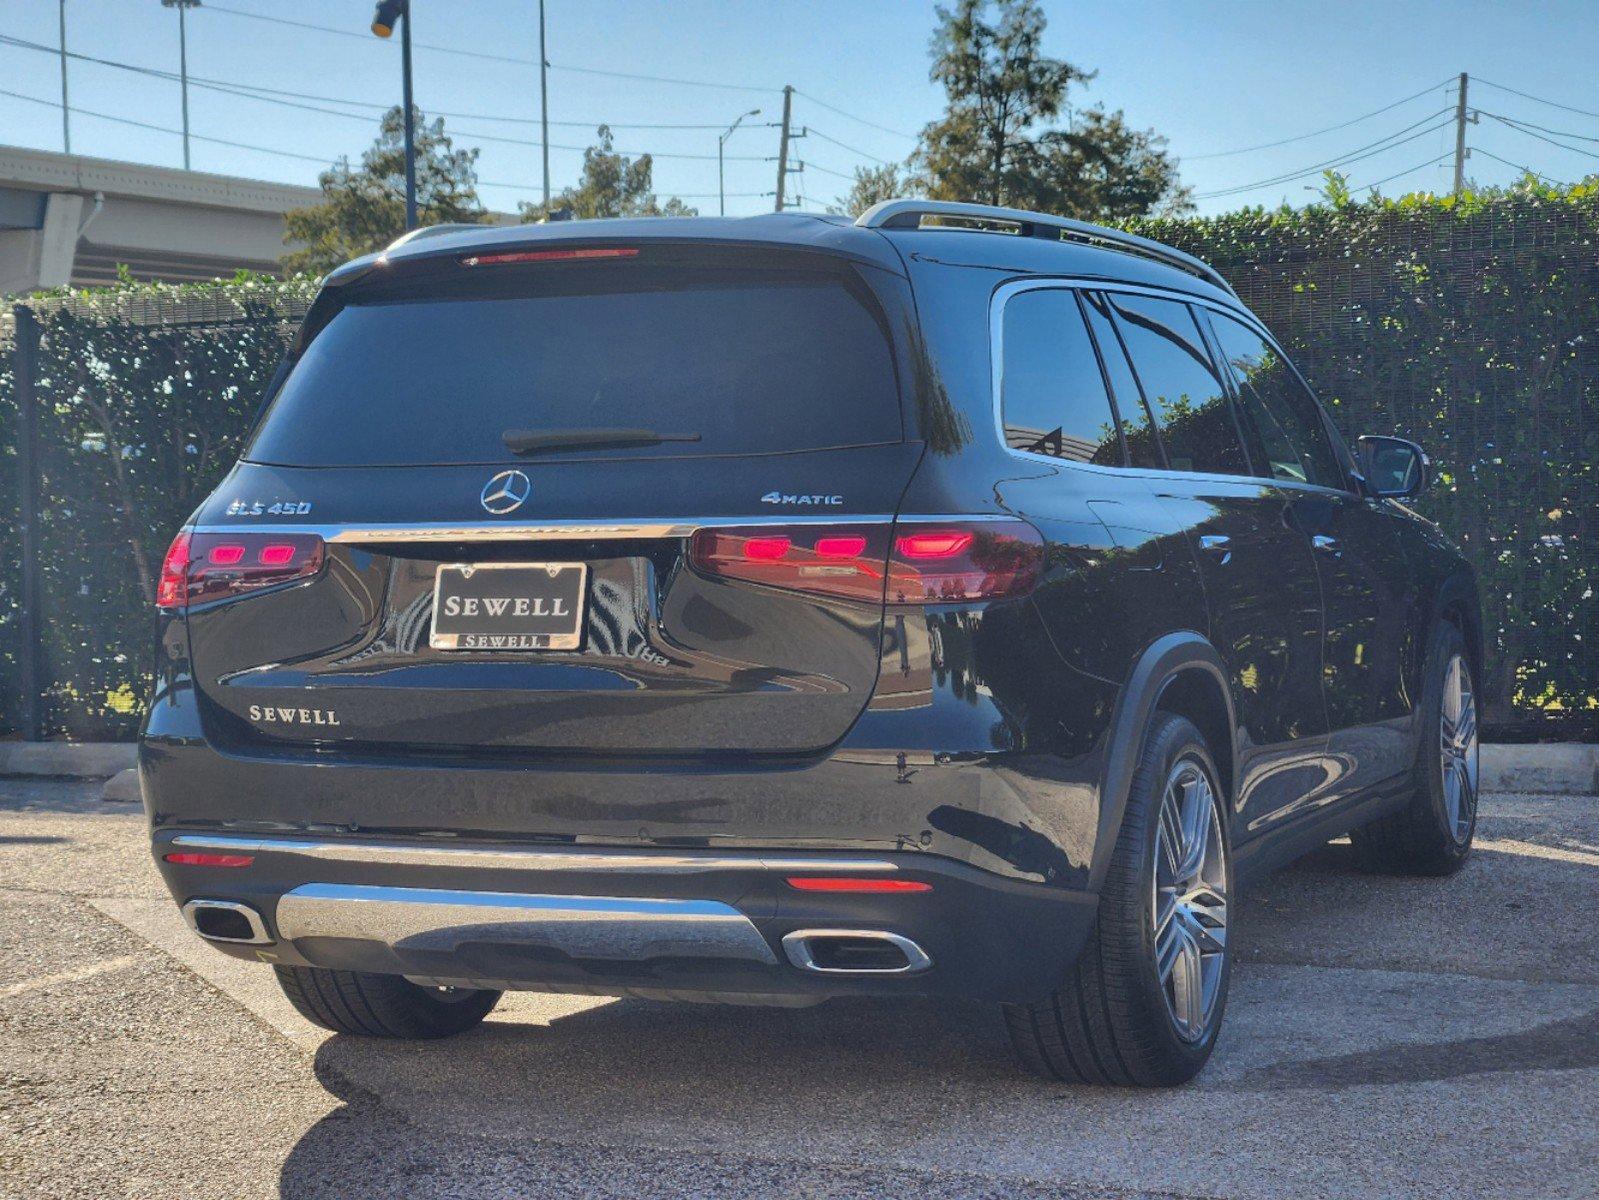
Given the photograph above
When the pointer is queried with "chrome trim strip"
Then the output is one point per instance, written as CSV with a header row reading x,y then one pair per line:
x,y
424,920
797,946
523,858
258,933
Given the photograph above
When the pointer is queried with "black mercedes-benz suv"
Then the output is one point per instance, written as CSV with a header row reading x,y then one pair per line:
x,y
956,601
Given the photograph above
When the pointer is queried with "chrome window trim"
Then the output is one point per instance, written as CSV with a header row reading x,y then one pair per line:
x,y
1002,296
488,858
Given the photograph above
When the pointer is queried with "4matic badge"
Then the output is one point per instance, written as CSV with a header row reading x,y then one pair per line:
x,y
789,498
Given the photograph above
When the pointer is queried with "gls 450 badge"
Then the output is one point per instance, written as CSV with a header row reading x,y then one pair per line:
x,y
260,508
789,498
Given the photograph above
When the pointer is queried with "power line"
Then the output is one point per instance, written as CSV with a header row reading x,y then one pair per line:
x,y
861,120
1353,156
1317,133
1538,99
89,112
815,132
1508,163
1401,174
485,55
1522,129
245,91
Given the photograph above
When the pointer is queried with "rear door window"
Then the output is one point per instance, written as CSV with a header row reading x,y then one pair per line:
x,y
1180,383
1291,437
751,362
1053,395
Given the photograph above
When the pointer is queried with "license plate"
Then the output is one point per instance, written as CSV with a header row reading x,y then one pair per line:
x,y
508,606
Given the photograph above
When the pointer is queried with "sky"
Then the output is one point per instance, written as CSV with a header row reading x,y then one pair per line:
x,y
1216,77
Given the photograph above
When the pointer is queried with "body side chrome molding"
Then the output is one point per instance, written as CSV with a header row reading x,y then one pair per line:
x,y
522,858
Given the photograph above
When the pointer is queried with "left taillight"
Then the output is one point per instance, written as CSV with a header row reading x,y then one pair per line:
x,y
201,567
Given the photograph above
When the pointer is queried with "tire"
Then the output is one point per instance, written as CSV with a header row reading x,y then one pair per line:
x,y
1116,1019
1432,833
384,1006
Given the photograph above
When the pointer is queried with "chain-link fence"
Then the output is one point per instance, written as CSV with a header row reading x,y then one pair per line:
x,y
119,411
1470,328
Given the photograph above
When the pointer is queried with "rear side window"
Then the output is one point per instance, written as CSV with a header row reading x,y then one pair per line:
x,y
1052,393
1291,438
751,363
1143,449
1180,383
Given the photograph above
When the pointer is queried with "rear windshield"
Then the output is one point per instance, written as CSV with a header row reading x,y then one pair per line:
x,y
751,363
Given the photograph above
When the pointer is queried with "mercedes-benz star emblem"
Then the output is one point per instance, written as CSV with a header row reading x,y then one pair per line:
x,y
506,492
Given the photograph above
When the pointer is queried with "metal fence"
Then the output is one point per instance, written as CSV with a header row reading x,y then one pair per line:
x,y
119,411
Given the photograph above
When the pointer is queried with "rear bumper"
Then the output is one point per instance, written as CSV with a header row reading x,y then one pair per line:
x,y
613,922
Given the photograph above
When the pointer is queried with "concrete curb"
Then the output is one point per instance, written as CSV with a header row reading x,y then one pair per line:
x,y
1562,768
74,760
1551,768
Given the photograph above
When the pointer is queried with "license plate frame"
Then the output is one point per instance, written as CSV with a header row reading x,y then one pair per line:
x,y
475,631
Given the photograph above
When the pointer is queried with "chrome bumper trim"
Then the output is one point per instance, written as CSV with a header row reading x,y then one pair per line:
x,y
523,858
410,920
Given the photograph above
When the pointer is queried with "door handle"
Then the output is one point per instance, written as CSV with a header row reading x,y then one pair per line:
x,y
1326,544
1217,544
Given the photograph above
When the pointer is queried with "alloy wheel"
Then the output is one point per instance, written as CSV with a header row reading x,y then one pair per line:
x,y
1457,743
1190,900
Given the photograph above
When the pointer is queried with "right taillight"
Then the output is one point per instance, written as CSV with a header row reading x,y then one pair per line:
x,y
201,567
914,561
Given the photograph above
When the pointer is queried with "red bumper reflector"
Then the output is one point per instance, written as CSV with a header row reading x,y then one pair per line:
x,y
831,883
187,859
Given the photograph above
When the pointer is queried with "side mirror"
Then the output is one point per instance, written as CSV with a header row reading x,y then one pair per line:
x,y
1394,467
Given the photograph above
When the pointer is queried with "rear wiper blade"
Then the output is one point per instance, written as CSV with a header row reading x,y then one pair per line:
x,y
530,441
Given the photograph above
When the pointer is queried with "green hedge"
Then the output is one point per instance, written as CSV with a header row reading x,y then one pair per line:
x,y
1470,327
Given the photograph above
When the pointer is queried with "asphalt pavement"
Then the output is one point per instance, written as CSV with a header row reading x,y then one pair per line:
x,y
1385,1038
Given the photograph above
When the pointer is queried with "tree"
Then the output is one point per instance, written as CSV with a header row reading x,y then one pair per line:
x,y
612,185
871,186
996,142
364,207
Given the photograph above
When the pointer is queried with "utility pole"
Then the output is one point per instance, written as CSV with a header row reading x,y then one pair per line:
x,y
383,21
782,146
1460,139
183,66
721,141
544,106
66,118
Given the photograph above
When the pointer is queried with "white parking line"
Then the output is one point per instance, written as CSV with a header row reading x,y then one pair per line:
x,y
89,972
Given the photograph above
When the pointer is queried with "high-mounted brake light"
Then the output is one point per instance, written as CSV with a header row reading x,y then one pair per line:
x,y
836,883
912,562
531,256
201,567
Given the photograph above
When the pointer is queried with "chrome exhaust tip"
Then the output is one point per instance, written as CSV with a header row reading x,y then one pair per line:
x,y
226,921
854,952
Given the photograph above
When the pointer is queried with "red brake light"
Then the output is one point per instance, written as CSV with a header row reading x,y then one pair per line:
x,y
171,591
940,543
202,567
527,256
831,883
924,562
188,859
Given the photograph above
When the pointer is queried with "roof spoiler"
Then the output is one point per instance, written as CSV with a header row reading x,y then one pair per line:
x,y
911,214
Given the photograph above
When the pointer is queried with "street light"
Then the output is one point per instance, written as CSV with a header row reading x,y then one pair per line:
x,y
390,13
183,65
721,190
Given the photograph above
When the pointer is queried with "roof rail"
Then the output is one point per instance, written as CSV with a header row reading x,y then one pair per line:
x,y
909,214
424,231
